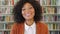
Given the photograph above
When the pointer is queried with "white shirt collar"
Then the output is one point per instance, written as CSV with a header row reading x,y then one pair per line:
x,y
27,27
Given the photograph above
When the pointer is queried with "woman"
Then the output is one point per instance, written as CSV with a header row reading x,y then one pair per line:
x,y
27,16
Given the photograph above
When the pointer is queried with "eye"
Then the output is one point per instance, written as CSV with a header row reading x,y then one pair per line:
x,y
23,9
30,7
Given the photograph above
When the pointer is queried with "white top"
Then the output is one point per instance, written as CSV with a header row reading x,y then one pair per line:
x,y
30,29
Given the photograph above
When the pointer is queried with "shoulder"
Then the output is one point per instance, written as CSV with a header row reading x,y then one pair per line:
x,y
17,25
44,27
14,26
42,24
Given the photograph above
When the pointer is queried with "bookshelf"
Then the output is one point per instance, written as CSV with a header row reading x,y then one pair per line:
x,y
6,16
51,15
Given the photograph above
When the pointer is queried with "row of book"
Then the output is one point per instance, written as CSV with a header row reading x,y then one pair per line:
x,y
6,26
8,2
50,26
54,32
53,26
4,32
50,2
6,10
51,32
50,9
45,18
48,18
6,18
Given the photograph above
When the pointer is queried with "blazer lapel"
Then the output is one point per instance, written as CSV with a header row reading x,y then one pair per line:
x,y
38,28
21,29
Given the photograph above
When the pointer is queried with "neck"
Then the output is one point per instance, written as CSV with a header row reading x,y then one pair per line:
x,y
29,22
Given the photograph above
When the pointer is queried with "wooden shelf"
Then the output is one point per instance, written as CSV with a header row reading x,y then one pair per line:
x,y
6,22
50,5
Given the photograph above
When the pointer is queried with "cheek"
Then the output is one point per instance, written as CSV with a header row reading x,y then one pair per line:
x,y
33,11
23,12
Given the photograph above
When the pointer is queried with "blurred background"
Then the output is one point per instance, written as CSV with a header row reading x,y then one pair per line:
x,y
50,15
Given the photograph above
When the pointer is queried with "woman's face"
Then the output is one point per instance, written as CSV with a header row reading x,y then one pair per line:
x,y
28,11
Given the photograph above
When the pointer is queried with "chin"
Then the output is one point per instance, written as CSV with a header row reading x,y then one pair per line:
x,y
28,18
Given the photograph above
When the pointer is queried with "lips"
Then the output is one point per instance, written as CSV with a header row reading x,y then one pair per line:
x,y
27,15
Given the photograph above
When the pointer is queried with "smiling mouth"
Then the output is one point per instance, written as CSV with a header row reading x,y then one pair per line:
x,y
28,14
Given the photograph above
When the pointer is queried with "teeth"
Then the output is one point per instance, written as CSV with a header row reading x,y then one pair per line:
x,y
27,14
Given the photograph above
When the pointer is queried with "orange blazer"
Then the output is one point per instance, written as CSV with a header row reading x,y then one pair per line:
x,y
41,28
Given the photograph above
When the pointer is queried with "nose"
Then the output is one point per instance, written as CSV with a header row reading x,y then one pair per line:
x,y
27,10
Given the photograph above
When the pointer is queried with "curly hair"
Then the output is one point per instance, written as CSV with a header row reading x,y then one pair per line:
x,y
17,10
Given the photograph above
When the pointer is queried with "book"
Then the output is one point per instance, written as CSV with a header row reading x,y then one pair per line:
x,y
4,2
7,18
0,32
44,2
2,18
49,26
48,18
41,1
53,2
3,9
51,10
45,10
58,18
56,32
52,32
0,11
7,10
15,1
58,8
48,2
59,26
11,18
6,32
11,10
8,26
58,2
54,26
55,17
1,26
12,2
59,32
0,2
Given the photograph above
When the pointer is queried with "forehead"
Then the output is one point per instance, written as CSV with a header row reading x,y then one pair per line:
x,y
27,4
